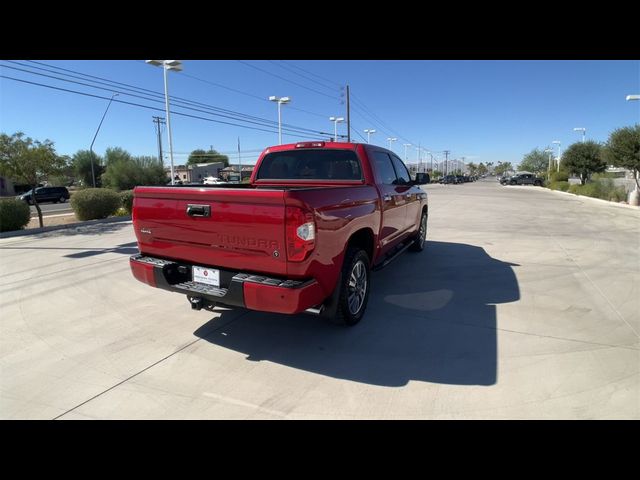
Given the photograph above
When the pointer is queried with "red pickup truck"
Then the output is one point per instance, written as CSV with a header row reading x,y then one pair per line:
x,y
302,236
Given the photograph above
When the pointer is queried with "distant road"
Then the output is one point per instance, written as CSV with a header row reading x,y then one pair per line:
x,y
52,209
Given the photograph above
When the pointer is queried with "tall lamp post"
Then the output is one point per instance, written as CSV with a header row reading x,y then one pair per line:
x,y
389,139
280,101
166,66
633,97
93,174
405,151
549,151
581,129
369,132
335,121
557,142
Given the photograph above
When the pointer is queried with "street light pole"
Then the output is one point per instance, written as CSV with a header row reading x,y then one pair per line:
x,y
405,151
389,139
633,97
93,174
549,151
581,129
166,66
557,142
335,121
369,132
280,101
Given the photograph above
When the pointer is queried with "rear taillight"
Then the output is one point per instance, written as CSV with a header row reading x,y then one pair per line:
x,y
300,233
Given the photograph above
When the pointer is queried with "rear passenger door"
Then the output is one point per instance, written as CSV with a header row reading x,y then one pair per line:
x,y
411,193
393,201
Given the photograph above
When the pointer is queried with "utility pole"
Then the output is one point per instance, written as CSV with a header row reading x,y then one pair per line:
x,y
348,117
446,162
159,121
239,160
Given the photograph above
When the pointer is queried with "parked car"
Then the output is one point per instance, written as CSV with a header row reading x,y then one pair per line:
x,y
212,181
525,179
302,236
46,194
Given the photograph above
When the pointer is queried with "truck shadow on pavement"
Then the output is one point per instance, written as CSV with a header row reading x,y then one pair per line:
x,y
431,317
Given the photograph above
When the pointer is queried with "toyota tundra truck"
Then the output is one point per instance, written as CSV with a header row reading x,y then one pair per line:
x,y
302,236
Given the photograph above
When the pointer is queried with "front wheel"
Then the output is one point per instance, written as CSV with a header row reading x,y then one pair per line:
x,y
419,242
354,288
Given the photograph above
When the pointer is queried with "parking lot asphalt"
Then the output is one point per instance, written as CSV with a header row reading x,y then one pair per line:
x,y
524,305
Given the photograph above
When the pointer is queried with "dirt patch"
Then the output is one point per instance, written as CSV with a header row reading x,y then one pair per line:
x,y
53,221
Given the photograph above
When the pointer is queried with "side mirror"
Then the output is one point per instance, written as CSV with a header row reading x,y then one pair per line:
x,y
422,178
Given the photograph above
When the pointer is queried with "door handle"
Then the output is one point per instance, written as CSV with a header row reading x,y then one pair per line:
x,y
198,210
387,198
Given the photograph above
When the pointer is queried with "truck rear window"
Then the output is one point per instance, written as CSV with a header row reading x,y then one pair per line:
x,y
310,165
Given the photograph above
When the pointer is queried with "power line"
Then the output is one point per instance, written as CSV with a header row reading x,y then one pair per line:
x,y
146,106
262,99
180,103
286,79
378,119
311,73
176,99
301,75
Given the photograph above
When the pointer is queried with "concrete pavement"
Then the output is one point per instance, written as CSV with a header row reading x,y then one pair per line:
x,y
525,304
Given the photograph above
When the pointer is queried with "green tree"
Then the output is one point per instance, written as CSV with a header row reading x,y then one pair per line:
x,y
482,168
81,162
200,156
29,161
123,172
473,169
584,159
115,154
536,161
623,150
503,167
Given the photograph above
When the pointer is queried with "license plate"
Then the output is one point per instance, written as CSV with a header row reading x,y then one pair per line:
x,y
209,276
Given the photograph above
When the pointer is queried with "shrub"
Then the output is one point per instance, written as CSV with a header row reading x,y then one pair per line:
x,y
94,203
126,173
563,186
126,198
121,212
559,176
602,188
14,214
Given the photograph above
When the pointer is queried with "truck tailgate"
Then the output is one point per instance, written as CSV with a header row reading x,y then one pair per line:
x,y
244,229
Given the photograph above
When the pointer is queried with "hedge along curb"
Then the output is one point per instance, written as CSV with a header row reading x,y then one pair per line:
x,y
35,231
597,200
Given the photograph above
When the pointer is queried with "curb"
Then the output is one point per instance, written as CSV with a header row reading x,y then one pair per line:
x,y
597,200
35,231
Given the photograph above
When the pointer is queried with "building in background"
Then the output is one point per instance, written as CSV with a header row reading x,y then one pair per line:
x,y
6,187
195,173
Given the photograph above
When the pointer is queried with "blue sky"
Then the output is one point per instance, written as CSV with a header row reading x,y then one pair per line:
x,y
482,110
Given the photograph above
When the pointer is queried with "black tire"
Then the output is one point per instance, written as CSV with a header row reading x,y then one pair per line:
x,y
355,259
420,240
537,183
